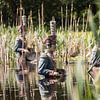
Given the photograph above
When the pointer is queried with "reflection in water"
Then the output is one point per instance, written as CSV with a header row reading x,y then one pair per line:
x,y
76,86
47,88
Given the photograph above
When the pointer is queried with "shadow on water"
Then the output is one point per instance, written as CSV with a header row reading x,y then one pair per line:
x,y
76,86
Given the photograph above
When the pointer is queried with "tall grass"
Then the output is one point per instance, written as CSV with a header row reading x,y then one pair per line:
x,y
64,42
72,43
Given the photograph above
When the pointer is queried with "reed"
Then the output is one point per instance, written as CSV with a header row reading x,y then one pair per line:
x,y
73,44
7,37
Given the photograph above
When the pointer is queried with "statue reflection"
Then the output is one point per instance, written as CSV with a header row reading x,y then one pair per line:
x,y
48,87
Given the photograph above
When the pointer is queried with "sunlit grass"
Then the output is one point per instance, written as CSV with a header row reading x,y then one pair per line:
x,y
66,41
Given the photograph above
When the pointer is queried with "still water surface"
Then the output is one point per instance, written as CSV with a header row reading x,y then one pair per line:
x,y
76,85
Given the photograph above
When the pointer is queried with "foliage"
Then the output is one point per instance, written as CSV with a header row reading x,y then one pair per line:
x,y
51,8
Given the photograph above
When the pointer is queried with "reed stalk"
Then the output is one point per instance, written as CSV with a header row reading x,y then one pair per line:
x,y
66,19
42,15
39,19
1,16
62,27
71,20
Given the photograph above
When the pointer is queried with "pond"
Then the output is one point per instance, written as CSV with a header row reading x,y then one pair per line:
x,y
76,85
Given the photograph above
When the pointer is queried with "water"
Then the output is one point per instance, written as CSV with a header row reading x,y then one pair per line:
x,y
75,86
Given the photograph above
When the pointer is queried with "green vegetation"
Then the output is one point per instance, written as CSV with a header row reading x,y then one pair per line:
x,y
77,32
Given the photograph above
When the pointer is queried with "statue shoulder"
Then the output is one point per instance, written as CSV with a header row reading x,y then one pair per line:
x,y
44,55
18,38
